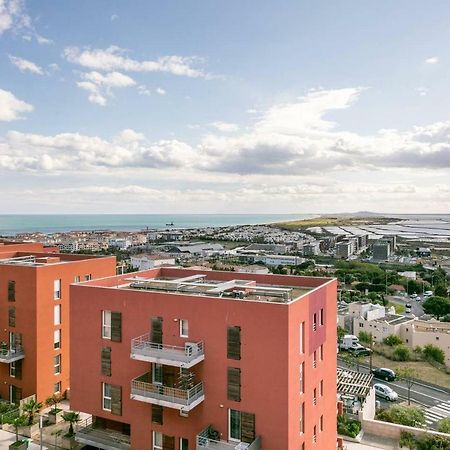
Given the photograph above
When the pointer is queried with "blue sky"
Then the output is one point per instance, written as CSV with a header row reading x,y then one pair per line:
x,y
177,106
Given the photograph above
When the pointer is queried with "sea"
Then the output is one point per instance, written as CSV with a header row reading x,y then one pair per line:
x,y
11,224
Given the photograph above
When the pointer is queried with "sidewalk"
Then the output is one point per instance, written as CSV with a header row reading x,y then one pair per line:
x,y
7,438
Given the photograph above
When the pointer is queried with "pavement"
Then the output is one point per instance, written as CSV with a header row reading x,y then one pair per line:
x,y
416,306
7,438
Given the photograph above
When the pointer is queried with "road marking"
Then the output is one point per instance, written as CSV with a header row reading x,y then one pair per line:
x,y
438,412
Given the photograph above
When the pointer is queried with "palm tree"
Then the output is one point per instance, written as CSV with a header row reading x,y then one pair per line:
x,y
18,422
53,401
71,417
30,409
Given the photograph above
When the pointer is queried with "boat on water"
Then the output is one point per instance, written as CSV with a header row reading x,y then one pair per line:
x,y
170,224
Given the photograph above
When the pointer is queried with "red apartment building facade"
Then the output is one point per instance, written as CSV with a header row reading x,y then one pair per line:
x,y
179,359
34,316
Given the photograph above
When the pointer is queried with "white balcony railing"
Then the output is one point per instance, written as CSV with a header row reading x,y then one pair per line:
x,y
11,354
143,349
87,434
205,441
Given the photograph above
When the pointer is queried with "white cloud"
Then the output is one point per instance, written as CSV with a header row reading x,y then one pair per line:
x,y
432,60
143,90
225,127
43,40
115,58
114,17
24,65
422,91
11,107
100,86
160,91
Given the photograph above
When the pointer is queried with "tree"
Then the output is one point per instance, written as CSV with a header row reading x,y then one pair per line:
x,y
72,417
392,340
444,425
365,337
18,422
53,401
30,409
401,353
411,416
437,306
408,375
440,290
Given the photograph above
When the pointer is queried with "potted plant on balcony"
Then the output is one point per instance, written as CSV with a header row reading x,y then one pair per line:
x,y
20,444
55,415
3,348
30,409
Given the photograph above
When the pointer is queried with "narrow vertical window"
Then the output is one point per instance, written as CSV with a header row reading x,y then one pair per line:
x,y
321,352
315,322
315,397
157,441
77,279
57,364
234,384
56,289
302,418
157,373
234,425
184,328
321,424
302,337
106,324
302,378
57,315
321,388
106,361
57,388
234,343
184,444
314,364
106,397
314,439
88,277
57,339
12,316
321,317
11,291
157,414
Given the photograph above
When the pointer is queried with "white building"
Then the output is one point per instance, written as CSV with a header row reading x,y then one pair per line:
x,y
145,262
68,245
120,243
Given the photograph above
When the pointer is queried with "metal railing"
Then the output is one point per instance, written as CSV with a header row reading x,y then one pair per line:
x,y
143,346
86,432
206,442
141,386
11,354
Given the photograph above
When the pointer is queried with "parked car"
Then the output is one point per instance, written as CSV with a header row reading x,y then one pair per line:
x,y
381,390
408,308
360,351
428,294
384,373
413,295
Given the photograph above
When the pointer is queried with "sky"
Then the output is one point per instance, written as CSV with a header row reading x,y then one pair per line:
x,y
204,106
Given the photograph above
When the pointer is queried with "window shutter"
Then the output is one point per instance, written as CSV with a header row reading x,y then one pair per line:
x,y
11,291
234,384
16,394
116,400
247,427
116,326
168,442
157,332
12,316
157,414
18,340
234,343
106,361
19,369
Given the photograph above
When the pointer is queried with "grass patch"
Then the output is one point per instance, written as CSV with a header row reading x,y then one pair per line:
x,y
333,222
399,309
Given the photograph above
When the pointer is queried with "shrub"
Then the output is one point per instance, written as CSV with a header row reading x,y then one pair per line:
x,y
411,416
364,336
407,440
446,318
444,425
348,427
418,349
392,340
434,353
433,443
401,353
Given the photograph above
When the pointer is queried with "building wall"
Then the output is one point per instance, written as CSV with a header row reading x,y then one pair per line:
x,y
269,362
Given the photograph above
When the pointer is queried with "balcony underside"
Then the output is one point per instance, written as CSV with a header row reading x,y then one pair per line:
x,y
103,439
10,356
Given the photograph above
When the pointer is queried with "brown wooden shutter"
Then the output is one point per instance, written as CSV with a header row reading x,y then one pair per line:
x,y
18,369
116,326
18,340
12,316
116,400
11,291
157,414
157,331
106,361
168,442
234,343
247,427
16,394
234,384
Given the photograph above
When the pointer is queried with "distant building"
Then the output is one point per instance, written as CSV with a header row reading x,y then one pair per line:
x,y
145,262
70,245
409,274
268,248
363,242
279,260
344,249
253,268
120,243
392,239
422,251
381,250
311,249
197,248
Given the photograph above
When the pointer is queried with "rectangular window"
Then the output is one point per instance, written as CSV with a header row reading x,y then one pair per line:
x,y
234,425
57,339
11,291
106,397
234,384
106,324
12,316
314,439
234,343
321,388
57,315
184,328
314,364
321,424
57,364
315,397
12,369
302,378
157,330
321,317
315,322
157,414
88,277
57,387
56,289
302,337
15,370
157,373
184,444
106,361
77,279
302,418
157,441
321,352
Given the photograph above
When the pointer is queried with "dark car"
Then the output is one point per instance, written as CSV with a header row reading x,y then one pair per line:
x,y
360,351
384,374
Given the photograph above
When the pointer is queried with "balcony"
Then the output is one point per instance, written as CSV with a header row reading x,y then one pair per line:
x,y
143,349
88,434
206,441
11,354
142,389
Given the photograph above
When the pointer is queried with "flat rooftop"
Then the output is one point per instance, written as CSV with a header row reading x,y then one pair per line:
x,y
41,259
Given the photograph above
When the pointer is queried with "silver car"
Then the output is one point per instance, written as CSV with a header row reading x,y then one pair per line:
x,y
385,392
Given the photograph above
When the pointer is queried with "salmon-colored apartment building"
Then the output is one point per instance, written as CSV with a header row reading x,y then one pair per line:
x,y
178,359
34,316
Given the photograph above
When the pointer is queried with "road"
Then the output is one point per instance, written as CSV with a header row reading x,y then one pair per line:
x,y
416,307
434,401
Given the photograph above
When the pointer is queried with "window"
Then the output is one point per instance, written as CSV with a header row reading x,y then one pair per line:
x,y
234,343
234,425
315,322
184,328
106,324
321,424
234,384
57,339
314,439
106,396
88,277
57,315
314,364
302,378
321,317
11,291
56,289
321,352
157,414
57,387
12,316
184,444
302,418
361,325
302,337
315,397
157,440
77,279
105,356
57,364
321,388
12,369
157,373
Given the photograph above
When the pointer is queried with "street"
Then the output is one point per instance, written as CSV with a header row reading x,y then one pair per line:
x,y
416,307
